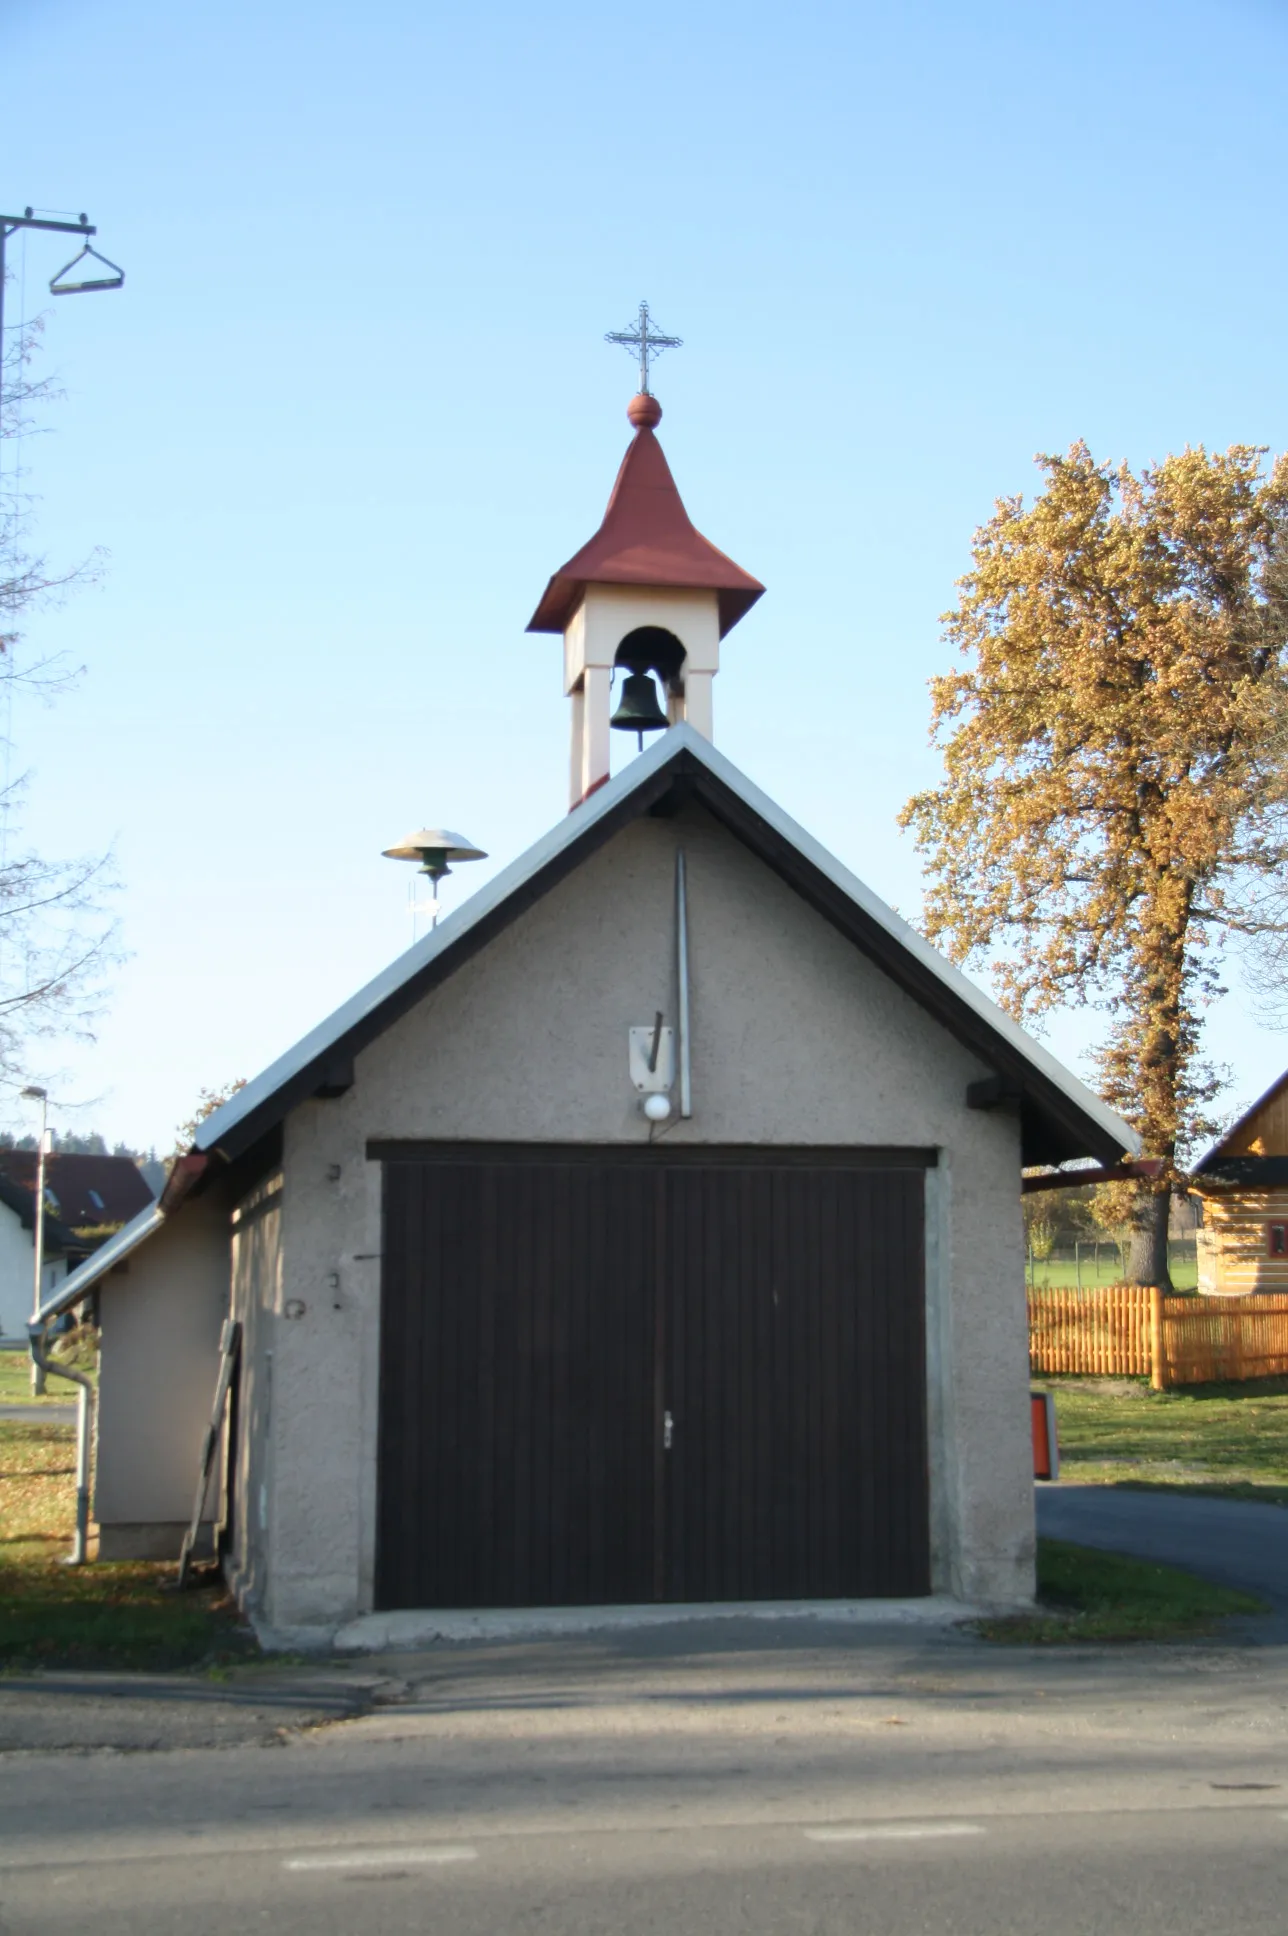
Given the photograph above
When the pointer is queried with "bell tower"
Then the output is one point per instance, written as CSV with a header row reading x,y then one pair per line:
x,y
647,599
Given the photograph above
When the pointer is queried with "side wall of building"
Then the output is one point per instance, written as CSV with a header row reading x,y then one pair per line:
x,y
161,1319
17,1268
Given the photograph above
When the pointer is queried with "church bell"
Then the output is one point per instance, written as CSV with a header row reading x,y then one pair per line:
x,y
637,710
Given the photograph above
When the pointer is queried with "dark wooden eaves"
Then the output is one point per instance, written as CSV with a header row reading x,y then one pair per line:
x,y
1243,1172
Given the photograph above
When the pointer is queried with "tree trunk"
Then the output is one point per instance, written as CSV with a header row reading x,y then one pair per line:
x,y
1147,1258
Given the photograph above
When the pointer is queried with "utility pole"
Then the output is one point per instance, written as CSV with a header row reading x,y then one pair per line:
x,y
84,285
35,1094
64,283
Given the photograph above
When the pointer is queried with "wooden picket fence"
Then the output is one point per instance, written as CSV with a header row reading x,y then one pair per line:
x,y
1130,1331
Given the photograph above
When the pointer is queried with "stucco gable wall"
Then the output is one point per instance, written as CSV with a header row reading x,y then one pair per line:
x,y
797,1038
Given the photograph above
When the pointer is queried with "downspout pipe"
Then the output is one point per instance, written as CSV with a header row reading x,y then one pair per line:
x,y
682,980
38,1339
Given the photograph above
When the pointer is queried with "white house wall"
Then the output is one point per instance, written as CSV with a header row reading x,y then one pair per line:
x,y
17,1265
797,1039
161,1319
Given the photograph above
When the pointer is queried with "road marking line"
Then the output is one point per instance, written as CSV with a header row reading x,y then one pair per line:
x,y
893,1832
381,1858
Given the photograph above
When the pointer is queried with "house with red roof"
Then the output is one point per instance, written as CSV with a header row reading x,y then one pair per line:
x,y
87,1199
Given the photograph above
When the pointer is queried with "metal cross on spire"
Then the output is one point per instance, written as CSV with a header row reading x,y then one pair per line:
x,y
644,342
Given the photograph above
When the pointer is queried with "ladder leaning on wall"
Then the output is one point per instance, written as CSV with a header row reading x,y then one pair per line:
x,y
229,1351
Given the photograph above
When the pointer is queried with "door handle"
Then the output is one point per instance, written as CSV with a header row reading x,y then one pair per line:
x,y
668,1431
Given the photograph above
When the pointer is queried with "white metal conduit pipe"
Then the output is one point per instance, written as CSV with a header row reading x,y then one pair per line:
x,y
682,979
38,1338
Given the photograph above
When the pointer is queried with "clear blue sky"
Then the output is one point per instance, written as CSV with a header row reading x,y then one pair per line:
x,y
352,407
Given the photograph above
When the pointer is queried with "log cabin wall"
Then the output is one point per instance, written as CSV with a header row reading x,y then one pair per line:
x,y
1243,1239
1238,1249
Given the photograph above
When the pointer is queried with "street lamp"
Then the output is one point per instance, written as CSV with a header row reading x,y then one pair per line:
x,y
33,1093
85,284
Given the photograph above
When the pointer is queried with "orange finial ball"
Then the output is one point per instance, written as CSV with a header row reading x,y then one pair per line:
x,y
644,411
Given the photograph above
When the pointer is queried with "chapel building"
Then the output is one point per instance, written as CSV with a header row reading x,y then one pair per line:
x,y
648,1232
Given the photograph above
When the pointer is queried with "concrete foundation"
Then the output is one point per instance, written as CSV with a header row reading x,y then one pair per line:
x,y
151,1539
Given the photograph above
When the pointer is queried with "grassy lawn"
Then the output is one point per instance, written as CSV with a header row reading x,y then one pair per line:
x,y
117,1616
1092,1596
15,1383
1066,1273
1228,1440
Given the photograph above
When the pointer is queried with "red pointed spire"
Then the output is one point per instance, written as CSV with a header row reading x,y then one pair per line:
x,y
646,539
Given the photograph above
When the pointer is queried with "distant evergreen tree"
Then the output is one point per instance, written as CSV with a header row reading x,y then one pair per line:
x,y
68,1143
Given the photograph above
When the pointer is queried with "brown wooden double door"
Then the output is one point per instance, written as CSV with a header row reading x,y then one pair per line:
x,y
613,1378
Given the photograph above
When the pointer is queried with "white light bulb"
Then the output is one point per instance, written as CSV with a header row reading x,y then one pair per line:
x,y
657,1108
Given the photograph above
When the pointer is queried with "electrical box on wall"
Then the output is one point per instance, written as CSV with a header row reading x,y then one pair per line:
x,y
657,1045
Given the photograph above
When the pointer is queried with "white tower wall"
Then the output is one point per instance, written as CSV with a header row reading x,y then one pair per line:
x,y
606,615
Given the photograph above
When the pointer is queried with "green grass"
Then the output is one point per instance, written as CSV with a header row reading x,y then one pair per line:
x,y
15,1382
1226,1440
1061,1273
1091,1596
15,1374
119,1615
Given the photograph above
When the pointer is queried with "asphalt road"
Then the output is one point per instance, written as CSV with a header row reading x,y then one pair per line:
x,y
720,1779
1234,1542
691,1781
1151,1874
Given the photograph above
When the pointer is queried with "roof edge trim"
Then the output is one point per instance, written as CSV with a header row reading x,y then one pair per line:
x,y
286,1081
98,1264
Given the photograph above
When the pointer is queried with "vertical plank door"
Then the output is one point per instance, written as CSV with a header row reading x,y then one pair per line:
x,y
516,1450
544,1315
795,1380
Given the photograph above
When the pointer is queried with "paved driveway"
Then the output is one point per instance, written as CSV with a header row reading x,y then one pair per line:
x,y
1238,1543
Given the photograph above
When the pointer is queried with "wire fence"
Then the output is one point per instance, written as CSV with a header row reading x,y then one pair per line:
x,y
1103,1262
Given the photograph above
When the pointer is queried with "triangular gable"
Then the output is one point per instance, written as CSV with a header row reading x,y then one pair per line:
x,y
1062,1119
1238,1140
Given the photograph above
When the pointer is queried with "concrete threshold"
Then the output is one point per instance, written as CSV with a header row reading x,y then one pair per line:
x,y
417,1627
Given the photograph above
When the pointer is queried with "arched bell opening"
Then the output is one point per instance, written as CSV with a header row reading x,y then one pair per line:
x,y
648,652
650,648
645,653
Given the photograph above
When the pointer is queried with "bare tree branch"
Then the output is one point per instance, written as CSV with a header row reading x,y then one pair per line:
x,y
57,935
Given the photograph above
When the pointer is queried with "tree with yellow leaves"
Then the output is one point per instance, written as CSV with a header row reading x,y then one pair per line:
x,y
1109,799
